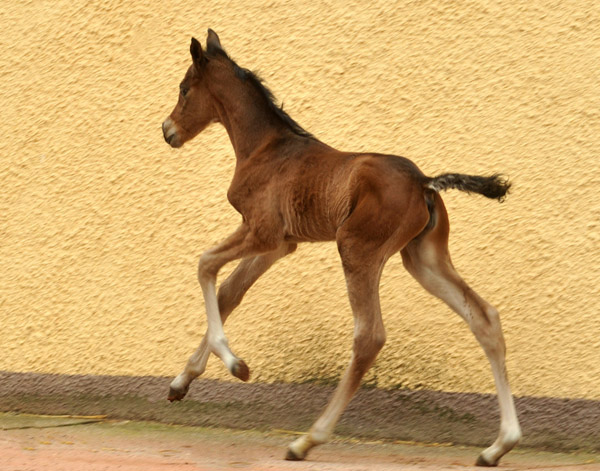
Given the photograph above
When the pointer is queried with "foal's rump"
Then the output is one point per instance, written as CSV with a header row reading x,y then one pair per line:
x,y
387,203
495,186
389,190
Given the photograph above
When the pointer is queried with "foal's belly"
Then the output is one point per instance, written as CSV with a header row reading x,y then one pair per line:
x,y
313,210
308,230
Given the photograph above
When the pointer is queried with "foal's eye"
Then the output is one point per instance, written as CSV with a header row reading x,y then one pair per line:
x,y
183,90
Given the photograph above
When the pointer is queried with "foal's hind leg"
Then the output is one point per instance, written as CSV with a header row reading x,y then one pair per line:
x,y
427,259
230,295
369,336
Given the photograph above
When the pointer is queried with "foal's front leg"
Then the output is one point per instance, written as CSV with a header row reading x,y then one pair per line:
x,y
230,295
241,244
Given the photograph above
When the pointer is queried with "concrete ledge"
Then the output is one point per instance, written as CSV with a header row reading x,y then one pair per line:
x,y
422,416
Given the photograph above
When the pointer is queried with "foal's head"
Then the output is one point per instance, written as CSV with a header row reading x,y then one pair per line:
x,y
194,109
214,74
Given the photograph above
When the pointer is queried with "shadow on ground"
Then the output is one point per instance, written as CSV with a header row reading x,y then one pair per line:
x,y
397,415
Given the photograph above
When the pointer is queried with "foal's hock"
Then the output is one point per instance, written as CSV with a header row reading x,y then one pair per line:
x,y
290,187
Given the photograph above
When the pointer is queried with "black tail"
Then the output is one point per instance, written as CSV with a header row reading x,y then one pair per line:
x,y
494,187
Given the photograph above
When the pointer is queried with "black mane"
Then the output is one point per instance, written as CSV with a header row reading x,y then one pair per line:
x,y
258,83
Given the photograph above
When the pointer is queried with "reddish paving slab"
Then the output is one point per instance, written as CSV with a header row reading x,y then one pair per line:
x,y
67,444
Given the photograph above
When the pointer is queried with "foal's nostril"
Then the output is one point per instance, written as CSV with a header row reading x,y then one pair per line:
x,y
169,129
165,130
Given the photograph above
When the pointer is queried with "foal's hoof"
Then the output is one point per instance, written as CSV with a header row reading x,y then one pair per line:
x,y
292,456
481,461
240,370
177,394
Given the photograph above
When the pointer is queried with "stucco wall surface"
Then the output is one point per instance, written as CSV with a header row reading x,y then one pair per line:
x,y
101,223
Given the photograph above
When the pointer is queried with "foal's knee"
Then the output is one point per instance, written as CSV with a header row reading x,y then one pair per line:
x,y
206,271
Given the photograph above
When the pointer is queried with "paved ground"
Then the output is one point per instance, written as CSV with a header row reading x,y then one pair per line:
x,y
374,414
92,444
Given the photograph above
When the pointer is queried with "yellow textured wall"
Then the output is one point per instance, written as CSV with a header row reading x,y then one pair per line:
x,y
101,223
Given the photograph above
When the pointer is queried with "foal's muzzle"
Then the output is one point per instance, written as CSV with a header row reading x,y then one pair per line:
x,y
170,134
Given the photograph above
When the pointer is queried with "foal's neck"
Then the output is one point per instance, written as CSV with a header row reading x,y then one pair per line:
x,y
247,117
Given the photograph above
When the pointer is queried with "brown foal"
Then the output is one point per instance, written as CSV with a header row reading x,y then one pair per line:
x,y
290,187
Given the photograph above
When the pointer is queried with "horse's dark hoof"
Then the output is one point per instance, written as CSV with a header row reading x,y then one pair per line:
x,y
240,370
177,394
291,456
481,461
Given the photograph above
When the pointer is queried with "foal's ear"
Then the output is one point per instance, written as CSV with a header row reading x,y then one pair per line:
x,y
212,41
196,52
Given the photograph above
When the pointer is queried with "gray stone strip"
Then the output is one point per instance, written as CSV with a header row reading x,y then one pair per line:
x,y
397,415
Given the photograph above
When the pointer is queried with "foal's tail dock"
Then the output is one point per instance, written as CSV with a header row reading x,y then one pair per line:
x,y
494,187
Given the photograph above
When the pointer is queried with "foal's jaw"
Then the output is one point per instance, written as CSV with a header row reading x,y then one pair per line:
x,y
170,133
